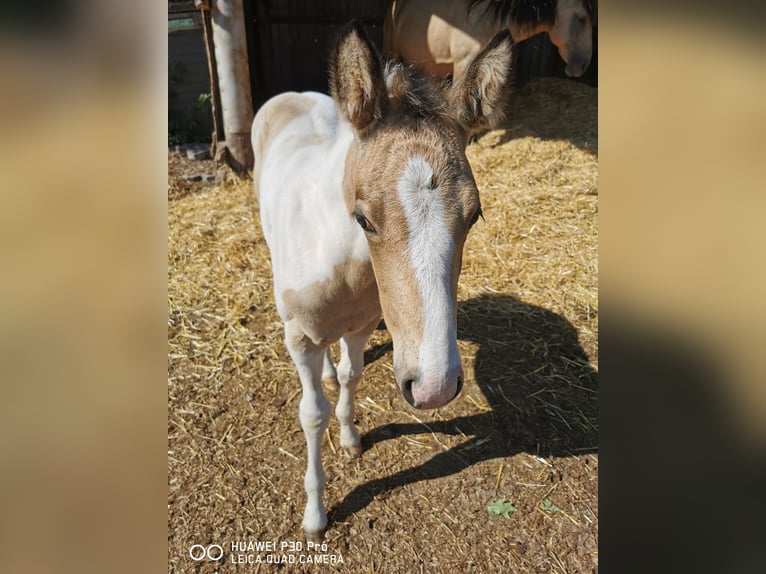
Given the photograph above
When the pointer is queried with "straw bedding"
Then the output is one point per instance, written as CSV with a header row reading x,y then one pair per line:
x,y
523,430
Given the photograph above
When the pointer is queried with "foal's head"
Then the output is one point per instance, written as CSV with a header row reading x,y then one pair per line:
x,y
410,187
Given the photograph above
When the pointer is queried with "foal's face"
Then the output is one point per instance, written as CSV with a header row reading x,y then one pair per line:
x,y
410,188
415,197
573,35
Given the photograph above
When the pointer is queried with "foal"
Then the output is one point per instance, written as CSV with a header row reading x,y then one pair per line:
x,y
366,199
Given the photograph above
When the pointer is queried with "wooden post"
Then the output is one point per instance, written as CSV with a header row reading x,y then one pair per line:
x,y
230,47
215,96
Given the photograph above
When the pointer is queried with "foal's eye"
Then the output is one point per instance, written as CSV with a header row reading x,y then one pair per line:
x,y
364,223
476,217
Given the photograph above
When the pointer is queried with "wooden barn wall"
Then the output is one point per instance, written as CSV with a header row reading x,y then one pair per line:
x,y
289,40
188,48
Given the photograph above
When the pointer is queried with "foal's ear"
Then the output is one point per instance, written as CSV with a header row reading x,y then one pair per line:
x,y
356,78
478,99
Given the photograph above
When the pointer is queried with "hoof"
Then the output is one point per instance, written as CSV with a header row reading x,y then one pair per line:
x,y
330,383
315,536
354,451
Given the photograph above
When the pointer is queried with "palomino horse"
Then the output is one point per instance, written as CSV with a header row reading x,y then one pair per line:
x,y
366,199
443,36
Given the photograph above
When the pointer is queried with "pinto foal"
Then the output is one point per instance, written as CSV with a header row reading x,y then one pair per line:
x,y
366,199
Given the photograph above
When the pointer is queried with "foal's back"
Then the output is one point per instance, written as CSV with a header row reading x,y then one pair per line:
x,y
292,126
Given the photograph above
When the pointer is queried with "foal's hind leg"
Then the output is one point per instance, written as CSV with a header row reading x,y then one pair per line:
x,y
314,413
349,374
329,376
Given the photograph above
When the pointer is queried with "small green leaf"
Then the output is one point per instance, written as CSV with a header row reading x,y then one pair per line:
x,y
501,507
548,506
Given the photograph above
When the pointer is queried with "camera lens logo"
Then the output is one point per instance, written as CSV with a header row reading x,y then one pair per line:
x,y
213,552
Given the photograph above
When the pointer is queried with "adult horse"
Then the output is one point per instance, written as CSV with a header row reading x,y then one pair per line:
x,y
443,36
366,199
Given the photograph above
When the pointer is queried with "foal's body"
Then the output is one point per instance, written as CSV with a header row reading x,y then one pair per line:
x,y
366,199
323,279
324,285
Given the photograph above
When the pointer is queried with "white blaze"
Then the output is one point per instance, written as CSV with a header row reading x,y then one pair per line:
x,y
431,249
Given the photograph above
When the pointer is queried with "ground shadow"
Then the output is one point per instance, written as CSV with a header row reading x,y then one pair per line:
x,y
537,380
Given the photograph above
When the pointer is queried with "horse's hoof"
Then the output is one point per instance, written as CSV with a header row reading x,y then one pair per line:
x,y
315,536
354,451
331,383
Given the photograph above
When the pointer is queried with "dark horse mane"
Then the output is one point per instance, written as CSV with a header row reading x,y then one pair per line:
x,y
525,12
415,94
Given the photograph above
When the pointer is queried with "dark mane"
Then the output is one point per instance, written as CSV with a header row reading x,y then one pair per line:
x,y
524,12
415,94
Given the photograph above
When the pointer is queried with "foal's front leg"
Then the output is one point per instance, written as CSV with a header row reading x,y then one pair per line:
x,y
314,413
349,374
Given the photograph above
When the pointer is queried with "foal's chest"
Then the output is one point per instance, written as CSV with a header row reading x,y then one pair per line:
x,y
344,303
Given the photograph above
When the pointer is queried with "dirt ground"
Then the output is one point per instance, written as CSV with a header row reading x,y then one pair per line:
x,y
524,429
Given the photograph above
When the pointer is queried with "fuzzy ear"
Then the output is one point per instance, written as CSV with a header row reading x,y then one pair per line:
x,y
478,99
356,78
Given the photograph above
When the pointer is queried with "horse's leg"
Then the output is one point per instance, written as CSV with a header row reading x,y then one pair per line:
x,y
349,375
314,413
329,376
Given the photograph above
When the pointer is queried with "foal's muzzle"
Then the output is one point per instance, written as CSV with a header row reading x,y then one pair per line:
x,y
420,396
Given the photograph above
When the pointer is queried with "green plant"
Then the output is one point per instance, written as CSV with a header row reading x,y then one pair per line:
x,y
501,507
548,506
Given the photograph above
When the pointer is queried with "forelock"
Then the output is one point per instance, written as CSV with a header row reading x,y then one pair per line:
x,y
413,94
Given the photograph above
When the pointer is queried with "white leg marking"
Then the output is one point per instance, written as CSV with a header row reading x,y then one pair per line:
x,y
349,375
314,413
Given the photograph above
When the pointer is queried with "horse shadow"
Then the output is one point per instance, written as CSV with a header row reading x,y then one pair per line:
x,y
537,381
